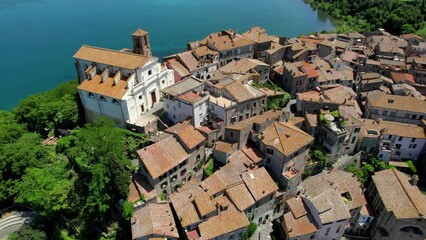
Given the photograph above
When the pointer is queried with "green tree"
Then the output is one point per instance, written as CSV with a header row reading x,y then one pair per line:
x,y
208,171
10,129
127,210
28,233
54,109
17,156
47,189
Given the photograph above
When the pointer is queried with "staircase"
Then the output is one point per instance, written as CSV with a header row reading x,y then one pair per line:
x,y
12,223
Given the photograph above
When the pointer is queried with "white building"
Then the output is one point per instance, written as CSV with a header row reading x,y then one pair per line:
x,y
393,140
186,99
120,84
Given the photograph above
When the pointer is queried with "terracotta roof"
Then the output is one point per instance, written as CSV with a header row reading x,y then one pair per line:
x,y
398,77
178,67
285,137
259,183
275,47
395,128
296,120
257,35
398,195
223,146
228,175
191,97
240,196
333,194
356,35
139,32
189,136
242,66
259,119
253,154
223,40
158,159
212,185
411,35
111,57
225,222
204,50
188,60
242,92
182,201
154,219
403,103
297,222
105,88
205,205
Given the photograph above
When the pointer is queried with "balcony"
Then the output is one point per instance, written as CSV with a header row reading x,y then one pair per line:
x,y
387,146
290,173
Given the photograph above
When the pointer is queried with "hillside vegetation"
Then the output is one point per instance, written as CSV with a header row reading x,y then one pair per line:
x,y
396,16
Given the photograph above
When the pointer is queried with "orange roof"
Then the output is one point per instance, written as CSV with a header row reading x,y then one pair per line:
x,y
259,183
285,137
139,32
190,97
312,73
225,222
223,41
182,201
397,77
240,196
297,222
111,57
204,204
187,134
154,219
105,88
411,35
158,158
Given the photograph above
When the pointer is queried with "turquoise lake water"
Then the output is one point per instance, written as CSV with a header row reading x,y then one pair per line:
x,y
39,37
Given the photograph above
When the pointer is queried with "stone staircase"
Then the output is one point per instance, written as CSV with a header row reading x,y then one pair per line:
x,y
12,223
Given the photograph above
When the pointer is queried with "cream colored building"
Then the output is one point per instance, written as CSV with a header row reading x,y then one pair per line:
x,y
121,84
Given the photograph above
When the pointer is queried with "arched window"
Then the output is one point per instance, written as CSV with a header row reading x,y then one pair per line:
x,y
102,98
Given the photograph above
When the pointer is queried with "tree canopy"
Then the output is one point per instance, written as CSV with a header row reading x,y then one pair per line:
x,y
396,16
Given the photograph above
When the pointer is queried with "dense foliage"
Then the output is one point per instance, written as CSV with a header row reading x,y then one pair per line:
x,y
46,112
28,233
396,16
368,168
208,171
77,186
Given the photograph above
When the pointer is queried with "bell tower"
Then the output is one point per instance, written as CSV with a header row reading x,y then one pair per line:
x,y
141,44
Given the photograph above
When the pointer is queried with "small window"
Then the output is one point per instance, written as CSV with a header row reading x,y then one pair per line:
x,y
353,140
163,81
140,97
91,95
102,98
269,151
115,101
400,139
356,130
413,140
149,72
